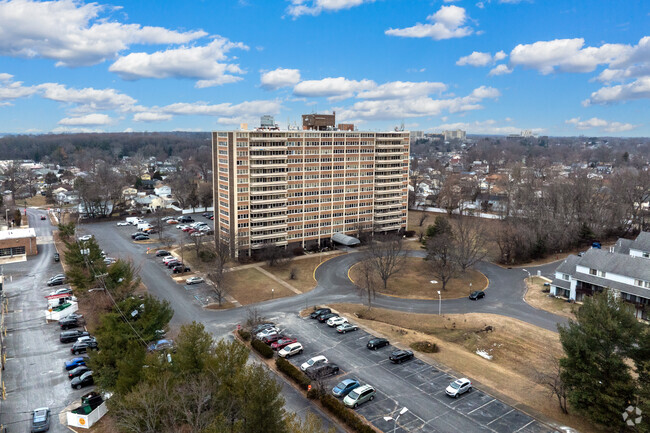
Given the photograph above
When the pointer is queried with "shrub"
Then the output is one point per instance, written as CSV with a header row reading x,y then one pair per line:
x,y
244,334
409,233
298,251
262,349
207,255
314,393
425,346
350,418
293,372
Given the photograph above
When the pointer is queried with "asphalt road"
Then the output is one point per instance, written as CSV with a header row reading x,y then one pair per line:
x,y
34,375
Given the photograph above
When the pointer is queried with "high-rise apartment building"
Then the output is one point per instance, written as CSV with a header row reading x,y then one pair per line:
x,y
298,188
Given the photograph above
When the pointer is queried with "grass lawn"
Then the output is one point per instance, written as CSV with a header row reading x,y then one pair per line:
x,y
304,267
538,299
36,201
414,281
414,220
249,286
518,350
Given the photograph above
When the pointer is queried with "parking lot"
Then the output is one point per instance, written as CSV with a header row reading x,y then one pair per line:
x,y
418,382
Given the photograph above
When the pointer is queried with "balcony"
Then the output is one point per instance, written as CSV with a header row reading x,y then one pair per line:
x,y
273,164
269,192
282,200
269,236
385,228
392,198
278,225
279,218
397,176
395,212
259,182
267,156
389,205
267,174
269,209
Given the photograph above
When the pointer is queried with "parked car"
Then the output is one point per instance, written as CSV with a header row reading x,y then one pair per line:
x,y
344,387
290,350
266,332
168,258
85,238
76,372
322,371
399,356
123,223
186,219
194,280
62,291
377,343
71,336
272,338
206,214
56,281
325,317
319,312
161,345
73,320
172,221
138,233
75,362
260,327
458,387
182,227
83,346
85,379
177,269
336,321
478,294
57,257
141,238
40,420
359,395
283,342
162,253
346,327
198,234
311,362
170,264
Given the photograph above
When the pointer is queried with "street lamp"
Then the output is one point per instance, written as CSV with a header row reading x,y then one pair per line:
x,y
439,302
272,290
390,418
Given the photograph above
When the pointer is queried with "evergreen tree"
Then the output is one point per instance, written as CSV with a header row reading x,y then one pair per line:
x,y
440,226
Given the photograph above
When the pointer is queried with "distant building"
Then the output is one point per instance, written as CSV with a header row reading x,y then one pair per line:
x,y
458,134
267,121
346,126
417,135
527,133
319,122
435,137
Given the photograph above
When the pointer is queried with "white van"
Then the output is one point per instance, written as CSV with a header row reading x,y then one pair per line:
x,y
143,225
133,220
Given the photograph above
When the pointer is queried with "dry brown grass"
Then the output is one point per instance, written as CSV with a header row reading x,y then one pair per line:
x,y
36,201
414,282
225,305
536,297
518,349
249,286
305,268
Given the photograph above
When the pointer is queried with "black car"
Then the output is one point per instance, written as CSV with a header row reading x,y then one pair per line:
x,y
318,312
322,370
477,295
325,317
136,234
85,379
141,238
71,336
56,281
260,327
180,268
76,372
377,343
73,320
185,219
162,253
399,356
57,257
174,262
83,346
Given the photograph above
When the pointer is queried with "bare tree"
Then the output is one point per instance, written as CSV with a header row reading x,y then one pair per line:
x,y
196,407
552,380
368,280
422,218
441,258
274,255
450,195
470,241
387,256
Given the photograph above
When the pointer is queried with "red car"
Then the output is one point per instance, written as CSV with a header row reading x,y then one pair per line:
x,y
186,229
282,342
269,339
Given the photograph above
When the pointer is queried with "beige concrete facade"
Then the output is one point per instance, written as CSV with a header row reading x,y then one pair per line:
x,y
300,187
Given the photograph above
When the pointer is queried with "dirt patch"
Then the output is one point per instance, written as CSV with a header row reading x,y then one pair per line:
x,y
249,286
414,282
304,271
225,305
518,350
537,297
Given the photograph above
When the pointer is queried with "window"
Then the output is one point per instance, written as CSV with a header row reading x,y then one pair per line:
x,y
593,272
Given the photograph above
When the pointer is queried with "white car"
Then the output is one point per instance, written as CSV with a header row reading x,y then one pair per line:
x,y
336,321
267,332
198,234
316,360
290,350
458,387
85,238
123,223
182,226
194,280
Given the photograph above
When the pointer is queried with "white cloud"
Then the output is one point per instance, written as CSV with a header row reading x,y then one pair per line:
x,y
87,99
93,119
315,7
391,109
206,63
447,23
74,33
477,58
10,90
601,124
489,126
500,70
637,89
402,89
333,88
225,110
66,130
148,116
280,77
500,56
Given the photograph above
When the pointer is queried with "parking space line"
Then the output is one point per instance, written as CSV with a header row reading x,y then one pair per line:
x,y
468,413
500,416
523,427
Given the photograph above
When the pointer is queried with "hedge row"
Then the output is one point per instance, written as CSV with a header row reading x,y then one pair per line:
x,y
293,372
244,334
262,349
350,418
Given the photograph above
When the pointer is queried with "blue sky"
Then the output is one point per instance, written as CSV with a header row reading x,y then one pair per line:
x,y
491,66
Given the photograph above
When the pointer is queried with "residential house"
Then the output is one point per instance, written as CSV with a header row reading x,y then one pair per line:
x,y
162,190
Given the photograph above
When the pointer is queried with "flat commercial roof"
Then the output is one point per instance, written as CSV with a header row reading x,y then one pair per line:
x,y
17,234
